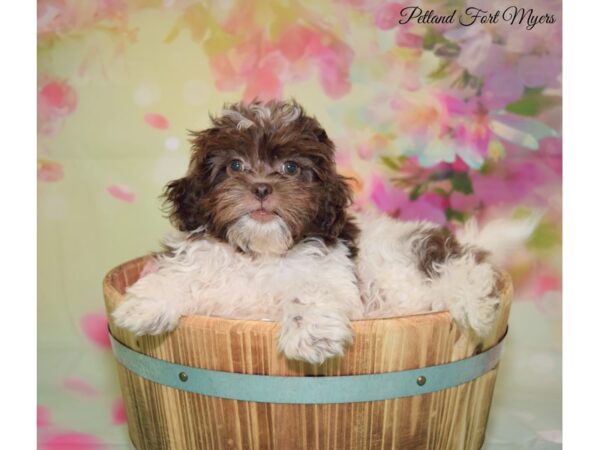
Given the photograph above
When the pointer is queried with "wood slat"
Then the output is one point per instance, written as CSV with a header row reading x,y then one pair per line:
x,y
160,417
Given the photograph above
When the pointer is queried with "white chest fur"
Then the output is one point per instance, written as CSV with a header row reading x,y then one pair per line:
x,y
225,282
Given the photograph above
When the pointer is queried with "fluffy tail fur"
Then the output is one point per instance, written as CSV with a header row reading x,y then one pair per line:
x,y
500,237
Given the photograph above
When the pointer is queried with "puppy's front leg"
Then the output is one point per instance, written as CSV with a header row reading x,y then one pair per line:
x,y
315,323
154,304
314,328
460,280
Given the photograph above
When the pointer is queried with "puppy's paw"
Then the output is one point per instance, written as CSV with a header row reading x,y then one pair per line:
x,y
305,347
478,314
144,316
312,343
479,307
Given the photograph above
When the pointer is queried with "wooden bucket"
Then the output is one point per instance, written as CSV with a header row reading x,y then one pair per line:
x,y
163,417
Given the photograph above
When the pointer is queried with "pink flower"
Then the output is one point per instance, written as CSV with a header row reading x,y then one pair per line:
x,y
264,83
509,58
56,18
334,65
157,121
263,65
479,54
538,70
95,327
71,441
297,41
501,87
121,192
406,39
475,135
43,416
119,415
79,386
253,64
545,283
226,77
438,127
49,171
490,61
387,15
512,182
56,100
459,165
396,203
550,154
506,81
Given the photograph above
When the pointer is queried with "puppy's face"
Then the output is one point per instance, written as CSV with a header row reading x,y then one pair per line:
x,y
262,178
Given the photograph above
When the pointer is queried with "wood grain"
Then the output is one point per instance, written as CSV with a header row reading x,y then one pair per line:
x,y
160,417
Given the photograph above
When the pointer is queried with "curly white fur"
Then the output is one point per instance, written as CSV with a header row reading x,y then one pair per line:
x,y
270,238
312,289
393,285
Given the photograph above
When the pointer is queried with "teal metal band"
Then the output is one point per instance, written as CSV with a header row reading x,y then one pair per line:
x,y
307,390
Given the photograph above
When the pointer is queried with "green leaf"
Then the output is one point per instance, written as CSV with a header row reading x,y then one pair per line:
x,y
391,163
441,70
440,175
453,214
532,103
546,235
448,50
461,182
487,167
441,192
431,38
417,191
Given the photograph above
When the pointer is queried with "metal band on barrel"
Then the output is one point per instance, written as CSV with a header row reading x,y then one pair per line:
x,y
307,389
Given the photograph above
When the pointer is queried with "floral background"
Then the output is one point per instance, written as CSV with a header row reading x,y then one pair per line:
x,y
440,122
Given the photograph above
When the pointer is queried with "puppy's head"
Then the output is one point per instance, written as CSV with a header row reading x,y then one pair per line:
x,y
262,178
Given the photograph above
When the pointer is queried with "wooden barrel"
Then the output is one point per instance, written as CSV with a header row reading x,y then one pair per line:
x,y
162,417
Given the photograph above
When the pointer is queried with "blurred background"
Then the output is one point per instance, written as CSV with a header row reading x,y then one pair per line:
x,y
439,122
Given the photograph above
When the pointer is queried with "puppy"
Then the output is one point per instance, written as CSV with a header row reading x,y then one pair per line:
x,y
264,233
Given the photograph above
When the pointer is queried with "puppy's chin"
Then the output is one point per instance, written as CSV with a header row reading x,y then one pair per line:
x,y
272,237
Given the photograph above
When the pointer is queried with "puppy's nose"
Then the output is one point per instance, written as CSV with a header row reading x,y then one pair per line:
x,y
262,190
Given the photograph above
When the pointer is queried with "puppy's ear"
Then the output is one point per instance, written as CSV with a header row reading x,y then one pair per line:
x,y
183,196
314,127
322,137
181,199
335,198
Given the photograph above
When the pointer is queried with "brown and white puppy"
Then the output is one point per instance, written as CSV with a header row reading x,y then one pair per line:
x,y
266,164
264,233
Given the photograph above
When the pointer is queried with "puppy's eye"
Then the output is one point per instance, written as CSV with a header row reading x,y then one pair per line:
x,y
290,168
236,165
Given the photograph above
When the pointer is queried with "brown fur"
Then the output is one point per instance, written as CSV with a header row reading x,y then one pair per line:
x,y
499,285
436,246
313,203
